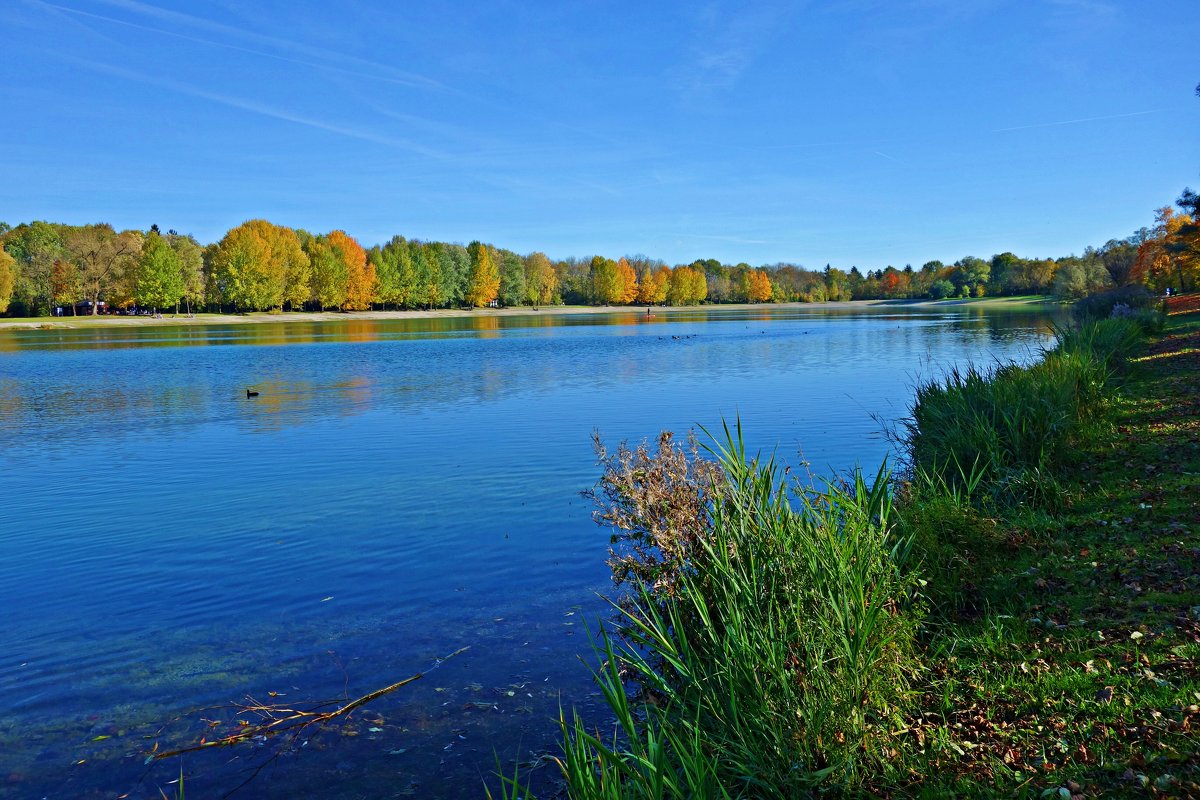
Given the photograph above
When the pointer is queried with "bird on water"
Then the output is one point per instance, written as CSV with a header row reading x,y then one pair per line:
x,y
251,393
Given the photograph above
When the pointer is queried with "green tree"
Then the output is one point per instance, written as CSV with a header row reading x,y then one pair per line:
x,y
971,272
160,280
394,281
941,289
35,247
191,268
1080,277
512,279
429,289
454,270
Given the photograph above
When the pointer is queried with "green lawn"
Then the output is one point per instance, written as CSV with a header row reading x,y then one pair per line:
x,y
1080,667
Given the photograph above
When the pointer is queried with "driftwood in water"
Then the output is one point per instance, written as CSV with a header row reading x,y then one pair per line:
x,y
279,719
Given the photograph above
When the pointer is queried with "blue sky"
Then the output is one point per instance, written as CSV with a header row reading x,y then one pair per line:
x,y
852,132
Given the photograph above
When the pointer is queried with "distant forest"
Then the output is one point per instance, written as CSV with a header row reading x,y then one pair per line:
x,y
51,268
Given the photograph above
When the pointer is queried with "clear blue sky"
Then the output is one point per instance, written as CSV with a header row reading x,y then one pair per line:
x,y
852,132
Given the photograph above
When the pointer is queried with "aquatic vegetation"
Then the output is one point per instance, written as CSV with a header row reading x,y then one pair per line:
x,y
777,641
768,644
1003,434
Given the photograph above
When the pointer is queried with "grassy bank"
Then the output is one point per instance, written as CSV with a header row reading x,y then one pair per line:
x,y
1017,614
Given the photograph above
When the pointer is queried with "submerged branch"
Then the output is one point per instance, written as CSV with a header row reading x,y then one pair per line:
x,y
279,719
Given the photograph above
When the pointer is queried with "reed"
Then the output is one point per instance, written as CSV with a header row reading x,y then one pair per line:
x,y
1002,435
776,659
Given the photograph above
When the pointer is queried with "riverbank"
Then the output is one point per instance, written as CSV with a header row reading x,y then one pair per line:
x,y
1078,668
1021,623
263,317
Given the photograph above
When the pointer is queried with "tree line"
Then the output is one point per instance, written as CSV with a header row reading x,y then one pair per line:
x,y
48,268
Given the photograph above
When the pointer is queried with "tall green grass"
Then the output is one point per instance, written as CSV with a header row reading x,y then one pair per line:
x,y
779,661
1005,433
767,644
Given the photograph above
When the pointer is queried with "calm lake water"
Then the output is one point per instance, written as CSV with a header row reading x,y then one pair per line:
x,y
398,490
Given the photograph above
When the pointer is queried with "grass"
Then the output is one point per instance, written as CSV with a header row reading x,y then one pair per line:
x,y
956,634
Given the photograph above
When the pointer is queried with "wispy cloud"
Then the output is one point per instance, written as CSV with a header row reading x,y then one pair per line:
x,y
323,55
719,238
1074,121
370,75
723,46
262,109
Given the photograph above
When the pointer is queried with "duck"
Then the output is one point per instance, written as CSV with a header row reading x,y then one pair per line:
x,y
251,393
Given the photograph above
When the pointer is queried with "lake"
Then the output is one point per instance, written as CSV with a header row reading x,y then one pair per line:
x,y
398,490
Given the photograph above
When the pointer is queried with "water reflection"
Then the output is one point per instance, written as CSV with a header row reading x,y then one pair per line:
x,y
396,490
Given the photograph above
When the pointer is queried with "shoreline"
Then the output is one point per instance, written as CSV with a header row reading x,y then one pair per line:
x,y
263,317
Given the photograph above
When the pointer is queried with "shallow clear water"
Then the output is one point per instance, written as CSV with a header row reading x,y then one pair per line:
x,y
399,489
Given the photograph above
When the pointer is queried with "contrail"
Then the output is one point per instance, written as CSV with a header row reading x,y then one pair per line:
x,y
1074,121
260,108
179,18
228,46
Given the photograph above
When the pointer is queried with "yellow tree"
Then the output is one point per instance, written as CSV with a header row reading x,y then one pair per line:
x,y
483,285
328,273
1166,257
360,275
608,285
258,265
758,286
541,281
662,282
688,286
646,286
8,279
629,282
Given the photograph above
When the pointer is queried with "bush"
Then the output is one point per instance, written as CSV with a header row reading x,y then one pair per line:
x,y
1136,297
940,290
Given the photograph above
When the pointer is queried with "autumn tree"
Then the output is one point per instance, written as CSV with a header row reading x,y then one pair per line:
x,y
102,257
65,285
629,282
360,275
608,284
160,280
688,286
756,286
328,274
8,279
652,285
541,281
1163,258
484,284
258,265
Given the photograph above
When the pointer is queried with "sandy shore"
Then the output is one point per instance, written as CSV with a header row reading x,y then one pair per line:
x,y
107,321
